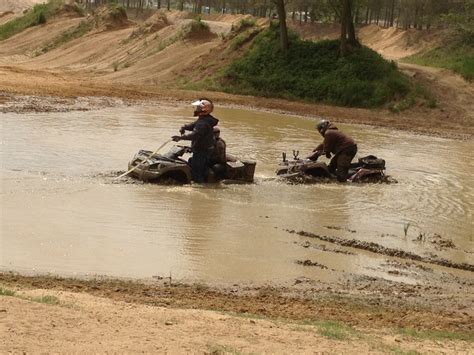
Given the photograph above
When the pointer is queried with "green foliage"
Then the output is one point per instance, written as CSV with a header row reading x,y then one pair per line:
x,y
46,299
6,292
242,38
197,25
460,59
335,330
79,9
36,16
314,72
246,23
117,11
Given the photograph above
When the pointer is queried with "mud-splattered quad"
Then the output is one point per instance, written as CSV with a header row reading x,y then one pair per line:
x,y
171,168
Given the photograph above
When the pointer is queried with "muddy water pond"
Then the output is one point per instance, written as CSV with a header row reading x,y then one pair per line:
x,y
63,213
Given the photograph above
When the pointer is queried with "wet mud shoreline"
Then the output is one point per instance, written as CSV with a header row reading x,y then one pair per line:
x,y
366,305
379,249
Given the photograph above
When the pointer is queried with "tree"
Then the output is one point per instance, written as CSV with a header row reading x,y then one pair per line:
x,y
348,37
280,5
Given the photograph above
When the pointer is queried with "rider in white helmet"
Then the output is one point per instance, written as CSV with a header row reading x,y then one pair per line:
x,y
201,137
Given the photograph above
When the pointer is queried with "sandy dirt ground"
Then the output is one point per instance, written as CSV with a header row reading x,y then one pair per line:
x,y
67,315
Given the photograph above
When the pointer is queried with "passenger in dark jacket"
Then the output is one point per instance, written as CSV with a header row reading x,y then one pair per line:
x,y
342,146
201,137
218,160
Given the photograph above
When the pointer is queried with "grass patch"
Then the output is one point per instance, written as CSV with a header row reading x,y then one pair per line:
x,y
417,93
459,59
194,29
314,72
329,329
243,38
47,299
6,292
36,16
436,334
335,330
246,23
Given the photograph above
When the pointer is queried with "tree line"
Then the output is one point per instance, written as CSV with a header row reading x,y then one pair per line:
x,y
419,14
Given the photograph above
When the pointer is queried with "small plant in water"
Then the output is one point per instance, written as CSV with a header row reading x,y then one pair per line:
x,y
405,228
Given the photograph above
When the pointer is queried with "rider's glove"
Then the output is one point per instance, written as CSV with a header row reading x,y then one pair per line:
x,y
176,138
182,130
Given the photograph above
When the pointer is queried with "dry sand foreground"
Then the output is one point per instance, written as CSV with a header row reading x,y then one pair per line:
x,y
90,324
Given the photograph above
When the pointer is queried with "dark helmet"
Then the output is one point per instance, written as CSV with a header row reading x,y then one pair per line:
x,y
322,126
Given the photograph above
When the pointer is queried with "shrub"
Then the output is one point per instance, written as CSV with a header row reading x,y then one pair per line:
x,y
314,72
36,16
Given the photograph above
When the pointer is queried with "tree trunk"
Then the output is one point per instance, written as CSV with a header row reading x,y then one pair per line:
x,y
348,36
280,5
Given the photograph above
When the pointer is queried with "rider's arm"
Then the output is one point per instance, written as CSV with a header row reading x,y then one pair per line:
x,y
318,148
187,127
199,129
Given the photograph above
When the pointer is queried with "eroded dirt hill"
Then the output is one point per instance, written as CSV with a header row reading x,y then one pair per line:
x,y
148,54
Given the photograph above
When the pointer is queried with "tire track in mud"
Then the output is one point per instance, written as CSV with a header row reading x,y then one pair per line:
x,y
379,249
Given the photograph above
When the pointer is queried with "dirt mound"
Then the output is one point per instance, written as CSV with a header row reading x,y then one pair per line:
x,y
395,43
197,30
111,18
156,22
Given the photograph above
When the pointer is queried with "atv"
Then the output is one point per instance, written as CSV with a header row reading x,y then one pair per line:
x,y
367,169
172,168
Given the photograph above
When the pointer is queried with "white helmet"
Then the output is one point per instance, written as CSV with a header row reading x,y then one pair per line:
x,y
203,107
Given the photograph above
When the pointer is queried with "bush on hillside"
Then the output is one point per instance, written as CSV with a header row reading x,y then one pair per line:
x,y
314,72
38,15
196,29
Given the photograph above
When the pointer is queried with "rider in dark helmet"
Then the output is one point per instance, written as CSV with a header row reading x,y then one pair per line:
x,y
342,146
201,137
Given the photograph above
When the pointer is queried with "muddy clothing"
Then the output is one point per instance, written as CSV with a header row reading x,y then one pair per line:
x,y
202,136
219,159
218,155
344,149
335,141
341,163
199,163
202,143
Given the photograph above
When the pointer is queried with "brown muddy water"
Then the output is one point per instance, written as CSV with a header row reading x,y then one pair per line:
x,y
62,212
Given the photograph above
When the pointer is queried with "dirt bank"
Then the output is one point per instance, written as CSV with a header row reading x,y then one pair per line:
x,y
118,315
148,60
18,81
